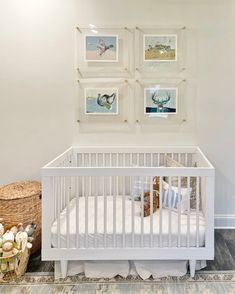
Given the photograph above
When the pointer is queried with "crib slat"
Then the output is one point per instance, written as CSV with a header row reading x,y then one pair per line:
x,y
105,208
160,209
169,210
95,212
188,213
186,159
123,212
151,211
197,211
67,191
179,211
59,183
77,211
158,159
151,159
142,212
114,210
86,213
132,217
179,159
110,178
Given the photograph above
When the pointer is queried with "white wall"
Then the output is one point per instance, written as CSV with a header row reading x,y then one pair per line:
x,y
37,82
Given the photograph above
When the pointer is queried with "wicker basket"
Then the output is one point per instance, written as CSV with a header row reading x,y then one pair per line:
x,y
20,202
14,266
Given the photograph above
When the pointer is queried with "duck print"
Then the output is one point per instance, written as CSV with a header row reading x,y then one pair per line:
x,y
106,100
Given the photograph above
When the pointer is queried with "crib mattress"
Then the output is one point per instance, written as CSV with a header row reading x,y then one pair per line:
x,y
104,235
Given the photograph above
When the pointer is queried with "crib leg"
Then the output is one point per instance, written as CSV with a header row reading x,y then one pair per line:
x,y
192,267
63,267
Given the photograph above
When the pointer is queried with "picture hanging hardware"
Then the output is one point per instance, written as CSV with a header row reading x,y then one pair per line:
x,y
184,28
78,121
127,29
125,120
79,29
137,121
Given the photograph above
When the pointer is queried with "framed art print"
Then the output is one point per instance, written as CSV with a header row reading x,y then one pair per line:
x,y
160,48
104,105
161,103
160,100
101,101
160,52
101,48
104,52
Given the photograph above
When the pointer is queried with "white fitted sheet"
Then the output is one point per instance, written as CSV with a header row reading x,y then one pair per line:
x,y
106,237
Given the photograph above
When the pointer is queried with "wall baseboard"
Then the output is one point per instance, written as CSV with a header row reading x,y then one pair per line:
x,y
225,221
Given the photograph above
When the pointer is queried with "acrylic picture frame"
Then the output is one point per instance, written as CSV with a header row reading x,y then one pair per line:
x,y
102,122
120,67
157,67
161,120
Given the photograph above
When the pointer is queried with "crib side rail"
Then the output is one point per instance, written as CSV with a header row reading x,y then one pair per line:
x,y
127,171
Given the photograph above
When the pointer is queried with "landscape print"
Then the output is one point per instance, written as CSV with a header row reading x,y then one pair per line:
x,y
102,101
101,48
160,100
160,48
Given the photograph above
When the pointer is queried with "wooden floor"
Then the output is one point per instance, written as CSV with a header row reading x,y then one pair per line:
x,y
224,255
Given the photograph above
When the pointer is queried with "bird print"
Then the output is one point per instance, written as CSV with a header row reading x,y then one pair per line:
x,y
106,100
103,47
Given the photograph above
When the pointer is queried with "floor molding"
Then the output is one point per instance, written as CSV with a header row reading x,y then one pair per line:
x,y
225,221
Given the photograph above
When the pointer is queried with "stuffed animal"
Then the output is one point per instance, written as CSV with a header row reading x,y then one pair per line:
x,y
14,230
8,236
22,238
8,251
30,229
147,206
1,233
156,183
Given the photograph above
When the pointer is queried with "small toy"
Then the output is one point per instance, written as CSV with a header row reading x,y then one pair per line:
x,y
30,229
8,250
14,230
1,233
8,236
147,204
24,236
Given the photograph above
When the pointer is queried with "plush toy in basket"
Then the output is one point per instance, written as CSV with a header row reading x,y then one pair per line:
x,y
15,245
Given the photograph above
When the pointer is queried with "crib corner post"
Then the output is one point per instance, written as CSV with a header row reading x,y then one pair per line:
x,y
64,267
192,267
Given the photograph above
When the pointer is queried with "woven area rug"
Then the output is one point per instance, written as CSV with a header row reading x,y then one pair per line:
x,y
204,282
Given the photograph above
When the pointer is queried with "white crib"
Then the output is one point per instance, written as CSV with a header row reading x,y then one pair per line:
x,y
89,212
